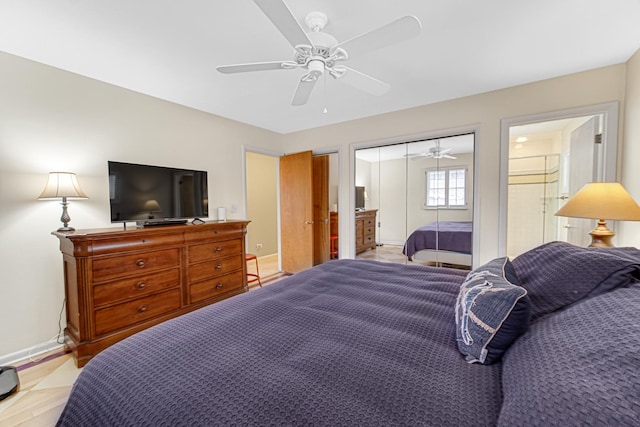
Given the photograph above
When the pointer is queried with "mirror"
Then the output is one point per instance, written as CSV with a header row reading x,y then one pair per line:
x,y
422,192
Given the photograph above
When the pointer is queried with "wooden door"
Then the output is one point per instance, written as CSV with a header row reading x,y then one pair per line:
x,y
321,232
296,211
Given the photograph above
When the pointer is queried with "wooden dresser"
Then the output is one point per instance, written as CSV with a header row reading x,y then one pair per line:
x,y
365,230
119,282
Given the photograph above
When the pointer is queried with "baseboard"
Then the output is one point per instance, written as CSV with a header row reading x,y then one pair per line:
x,y
29,353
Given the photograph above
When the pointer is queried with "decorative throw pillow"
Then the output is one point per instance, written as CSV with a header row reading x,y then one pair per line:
x,y
492,311
558,274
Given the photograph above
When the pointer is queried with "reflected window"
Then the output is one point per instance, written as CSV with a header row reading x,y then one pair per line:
x,y
446,187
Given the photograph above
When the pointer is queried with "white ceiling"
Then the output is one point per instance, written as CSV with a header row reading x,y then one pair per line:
x,y
170,49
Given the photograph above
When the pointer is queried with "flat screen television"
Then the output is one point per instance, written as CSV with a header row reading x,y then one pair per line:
x,y
359,198
154,194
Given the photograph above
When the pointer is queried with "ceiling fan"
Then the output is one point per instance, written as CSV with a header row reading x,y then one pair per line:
x,y
435,152
318,52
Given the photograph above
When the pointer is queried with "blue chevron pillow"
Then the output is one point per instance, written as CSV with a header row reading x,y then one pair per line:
x,y
491,312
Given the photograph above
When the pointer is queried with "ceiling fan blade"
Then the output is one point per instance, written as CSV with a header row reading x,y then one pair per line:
x,y
394,32
449,156
305,86
363,81
280,15
255,66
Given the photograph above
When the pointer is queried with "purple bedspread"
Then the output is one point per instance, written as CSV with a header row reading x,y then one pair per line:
x,y
345,343
452,236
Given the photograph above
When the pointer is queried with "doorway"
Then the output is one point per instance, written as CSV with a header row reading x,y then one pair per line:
x,y
548,159
261,179
263,197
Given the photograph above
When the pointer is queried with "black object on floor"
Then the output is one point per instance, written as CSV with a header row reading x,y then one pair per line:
x,y
9,381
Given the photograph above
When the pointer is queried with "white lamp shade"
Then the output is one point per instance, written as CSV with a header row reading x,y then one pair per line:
x,y
62,184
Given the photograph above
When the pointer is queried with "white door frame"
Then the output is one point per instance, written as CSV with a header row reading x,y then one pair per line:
x,y
609,142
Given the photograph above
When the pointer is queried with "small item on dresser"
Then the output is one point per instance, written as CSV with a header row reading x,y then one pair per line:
x,y
9,381
222,214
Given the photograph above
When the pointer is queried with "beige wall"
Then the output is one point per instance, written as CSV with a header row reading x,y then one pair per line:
x,y
55,120
484,111
629,232
262,203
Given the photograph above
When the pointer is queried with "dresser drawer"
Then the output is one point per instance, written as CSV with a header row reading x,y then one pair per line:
x,y
217,286
135,287
368,239
142,242
217,267
126,265
129,313
213,250
222,231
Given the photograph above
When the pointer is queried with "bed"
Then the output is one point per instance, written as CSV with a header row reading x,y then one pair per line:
x,y
379,344
441,242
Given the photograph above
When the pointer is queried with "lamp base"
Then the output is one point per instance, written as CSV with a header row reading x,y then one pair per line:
x,y
601,236
65,218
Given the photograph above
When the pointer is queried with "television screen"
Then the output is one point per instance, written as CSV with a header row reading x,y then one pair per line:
x,y
146,193
360,198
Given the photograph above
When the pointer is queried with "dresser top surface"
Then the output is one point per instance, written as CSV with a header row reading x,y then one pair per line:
x,y
161,229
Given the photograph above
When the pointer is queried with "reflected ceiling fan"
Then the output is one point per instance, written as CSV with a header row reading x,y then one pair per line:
x,y
318,52
435,152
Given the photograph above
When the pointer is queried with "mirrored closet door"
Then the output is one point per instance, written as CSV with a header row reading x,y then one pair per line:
x,y
422,195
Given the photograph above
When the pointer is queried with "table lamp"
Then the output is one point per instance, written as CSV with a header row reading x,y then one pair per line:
x,y
151,206
601,201
63,185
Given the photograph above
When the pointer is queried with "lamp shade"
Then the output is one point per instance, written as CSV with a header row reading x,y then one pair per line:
x,y
62,184
151,206
602,200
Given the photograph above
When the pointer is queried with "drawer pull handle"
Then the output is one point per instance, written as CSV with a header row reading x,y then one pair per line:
x,y
142,308
140,286
219,285
218,266
140,263
218,249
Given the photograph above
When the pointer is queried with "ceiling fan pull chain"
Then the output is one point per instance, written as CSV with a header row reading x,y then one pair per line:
x,y
325,94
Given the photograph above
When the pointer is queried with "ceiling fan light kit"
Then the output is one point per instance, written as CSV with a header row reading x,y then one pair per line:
x,y
317,51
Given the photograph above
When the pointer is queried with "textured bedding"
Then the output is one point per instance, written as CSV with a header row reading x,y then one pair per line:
x,y
452,236
579,367
352,343
345,343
